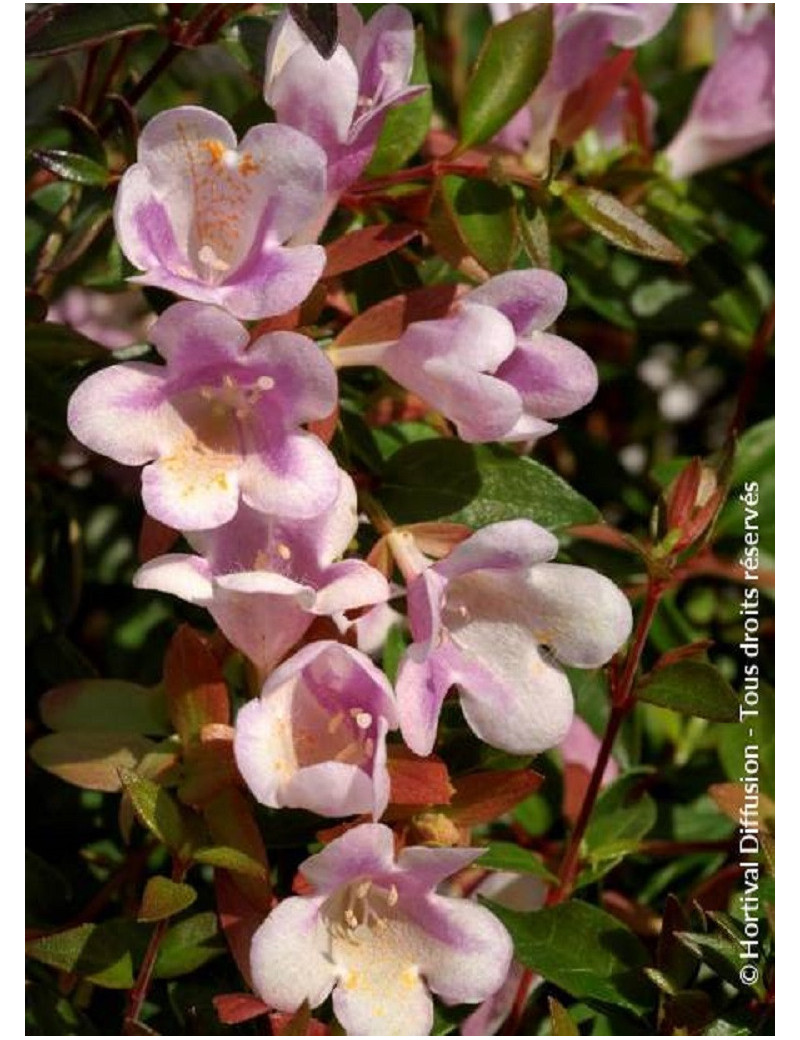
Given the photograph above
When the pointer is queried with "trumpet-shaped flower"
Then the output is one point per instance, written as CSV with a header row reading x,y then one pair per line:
x,y
342,101
495,618
218,421
205,218
583,33
377,935
316,737
489,366
264,578
733,112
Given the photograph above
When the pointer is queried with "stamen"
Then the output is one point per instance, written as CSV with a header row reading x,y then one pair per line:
x,y
335,721
363,719
265,382
363,889
283,551
207,256
392,895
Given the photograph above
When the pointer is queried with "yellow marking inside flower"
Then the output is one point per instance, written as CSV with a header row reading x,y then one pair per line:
x,y
248,165
215,149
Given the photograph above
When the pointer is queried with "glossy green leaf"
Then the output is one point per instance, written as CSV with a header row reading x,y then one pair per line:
x,y
505,855
158,811
756,730
406,126
55,28
70,166
188,945
510,66
51,344
105,954
483,217
622,226
231,859
90,760
583,951
477,485
103,705
692,688
622,816
164,898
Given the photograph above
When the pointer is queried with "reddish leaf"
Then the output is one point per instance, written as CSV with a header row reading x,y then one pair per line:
x,y
230,823
387,320
325,428
233,1008
296,1025
576,782
209,766
238,920
730,799
683,653
365,245
584,105
155,539
482,797
90,760
437,538
196,690
418,781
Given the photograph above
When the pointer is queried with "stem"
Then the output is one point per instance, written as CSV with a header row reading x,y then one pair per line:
x,y
88,75
138,994
111,72
622,700
407,556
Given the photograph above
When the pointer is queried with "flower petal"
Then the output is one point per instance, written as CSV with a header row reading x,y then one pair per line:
x,y
365,851
582,615
295,475
191,489
329,789
423,680
188,577
263,745
553,376
531,300
288,959
122,412
508,545
305,380
478,950
193,337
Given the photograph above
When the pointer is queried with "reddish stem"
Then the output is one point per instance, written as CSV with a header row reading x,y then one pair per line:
x,y
622,700
138,994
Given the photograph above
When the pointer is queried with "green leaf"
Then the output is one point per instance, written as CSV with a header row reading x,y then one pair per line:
x,y
188,945
510,66
163,897
406,126
70,166
105,705
483,216
621,818
158,811
758,730
104,954
621,225
754,461
231,859
505,855
56,28
477,485
584,951
90,760
692,688
51,344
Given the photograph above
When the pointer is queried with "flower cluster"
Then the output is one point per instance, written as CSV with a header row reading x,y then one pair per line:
x,y
220,427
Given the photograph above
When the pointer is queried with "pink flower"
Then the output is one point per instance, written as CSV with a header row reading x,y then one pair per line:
x,y
205,218
733,112
583,34
218,422
521,892
316,737
264,578
489,366
494,619
342,101
376,934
